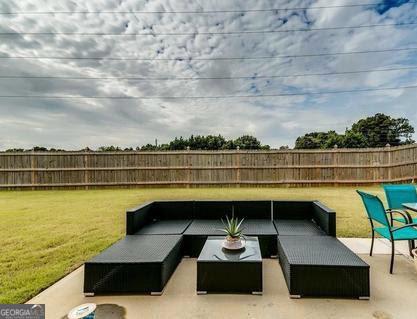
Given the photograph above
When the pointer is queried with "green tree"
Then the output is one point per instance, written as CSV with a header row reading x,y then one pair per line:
x,y
317,140
178,144
374,131
110,148
354,140
332,139
382,129
248,142
147,147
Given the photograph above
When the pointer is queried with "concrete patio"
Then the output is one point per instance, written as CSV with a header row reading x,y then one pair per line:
x,y
392,296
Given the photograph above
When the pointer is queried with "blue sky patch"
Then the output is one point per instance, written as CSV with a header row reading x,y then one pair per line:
x,y
386,5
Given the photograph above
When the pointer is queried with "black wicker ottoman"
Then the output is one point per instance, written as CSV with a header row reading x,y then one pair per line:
x,y
223,271
135,264
321,266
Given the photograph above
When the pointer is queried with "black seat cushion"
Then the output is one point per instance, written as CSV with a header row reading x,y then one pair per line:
x,y
165,227
321,250
298,227
211,227
205,227
137,249
254,227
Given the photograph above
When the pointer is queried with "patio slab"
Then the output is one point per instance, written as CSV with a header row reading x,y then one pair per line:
x,y
391,296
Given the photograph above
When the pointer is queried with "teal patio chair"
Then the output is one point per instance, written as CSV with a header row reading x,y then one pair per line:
x,y
380,224
396,196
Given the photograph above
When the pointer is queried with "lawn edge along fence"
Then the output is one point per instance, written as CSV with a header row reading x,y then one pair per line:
x,y
35,170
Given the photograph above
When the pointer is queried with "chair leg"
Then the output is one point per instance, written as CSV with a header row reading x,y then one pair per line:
x,y
392,257
372,242
411,246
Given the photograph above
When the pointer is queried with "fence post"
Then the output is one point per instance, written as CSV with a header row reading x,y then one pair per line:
x,y
188,163
388,146
33,167
86,172
336,165
238,166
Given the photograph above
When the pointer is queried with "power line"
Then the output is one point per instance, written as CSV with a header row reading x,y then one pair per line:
x,y
200,97
191,11
206,59
253,77
205,33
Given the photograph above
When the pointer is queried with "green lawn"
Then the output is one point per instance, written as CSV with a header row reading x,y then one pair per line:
x,y
47,234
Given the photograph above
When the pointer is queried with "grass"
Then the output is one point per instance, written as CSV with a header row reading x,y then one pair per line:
x,y
45,235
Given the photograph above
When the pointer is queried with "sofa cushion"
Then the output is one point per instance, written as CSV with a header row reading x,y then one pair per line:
x,y
205,227
297,227
165,227
255,227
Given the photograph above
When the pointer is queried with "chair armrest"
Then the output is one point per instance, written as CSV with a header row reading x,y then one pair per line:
x,y
403,213
325,218
405,226
138,217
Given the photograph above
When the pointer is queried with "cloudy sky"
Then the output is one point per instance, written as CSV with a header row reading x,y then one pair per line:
x,y
276,120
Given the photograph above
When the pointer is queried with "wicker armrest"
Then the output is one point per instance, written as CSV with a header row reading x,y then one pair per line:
x,y
138,217
325,218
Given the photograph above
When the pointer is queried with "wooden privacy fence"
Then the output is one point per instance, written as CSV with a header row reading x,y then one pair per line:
x,y
204,168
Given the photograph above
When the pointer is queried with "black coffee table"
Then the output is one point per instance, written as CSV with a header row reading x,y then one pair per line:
x,y
224,271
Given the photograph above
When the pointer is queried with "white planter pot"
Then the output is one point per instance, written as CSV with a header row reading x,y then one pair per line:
x,y
233,244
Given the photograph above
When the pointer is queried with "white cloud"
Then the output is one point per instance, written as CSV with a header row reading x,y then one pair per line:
x,y
276,121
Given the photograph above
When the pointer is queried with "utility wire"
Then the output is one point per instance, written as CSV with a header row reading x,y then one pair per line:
x,y
193,11
206,59
205,33
126,97
253,77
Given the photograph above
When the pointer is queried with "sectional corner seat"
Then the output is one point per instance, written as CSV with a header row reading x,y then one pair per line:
x,y
160,233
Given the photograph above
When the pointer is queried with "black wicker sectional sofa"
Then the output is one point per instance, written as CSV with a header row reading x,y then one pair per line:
x,y
160,233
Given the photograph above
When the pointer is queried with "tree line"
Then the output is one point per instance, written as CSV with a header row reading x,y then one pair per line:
x,y
194,142
375,131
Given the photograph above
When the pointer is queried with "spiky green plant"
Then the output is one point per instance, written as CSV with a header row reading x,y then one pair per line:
x,y
232,227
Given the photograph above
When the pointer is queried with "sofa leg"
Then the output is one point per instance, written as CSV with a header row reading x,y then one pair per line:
x,y
259,293
295,296
201,292
89,294
156,293
363,298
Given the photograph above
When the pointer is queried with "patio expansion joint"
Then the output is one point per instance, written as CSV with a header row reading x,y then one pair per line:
x,y
397,251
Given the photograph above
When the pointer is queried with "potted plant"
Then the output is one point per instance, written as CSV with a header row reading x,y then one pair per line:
x,y
233,230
